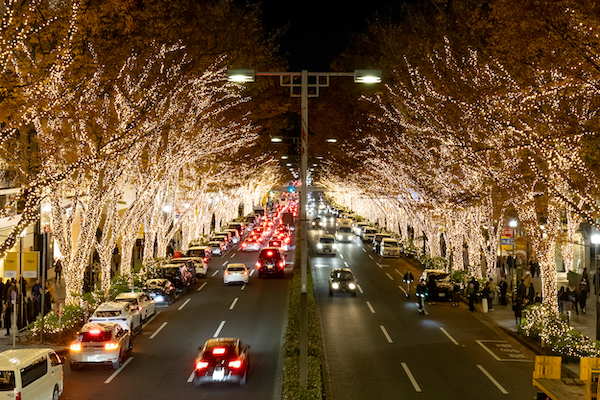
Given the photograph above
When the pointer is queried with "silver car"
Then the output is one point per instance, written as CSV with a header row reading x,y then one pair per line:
x,y
100,343
235,273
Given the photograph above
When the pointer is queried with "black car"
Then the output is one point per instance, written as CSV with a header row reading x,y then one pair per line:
x,y
178,275
271,261
443,285
161,290
222,360
342,280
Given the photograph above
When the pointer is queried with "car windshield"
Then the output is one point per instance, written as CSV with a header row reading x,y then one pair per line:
x,y
7,380
95,336
107,314
345,229
343,275
127,300
390,243
196,253
326,240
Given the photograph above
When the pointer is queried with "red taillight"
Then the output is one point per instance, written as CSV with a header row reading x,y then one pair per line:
x,y
244,244
281,264
258,265
235,364
218,351
269,253
287,239
18,396
201,364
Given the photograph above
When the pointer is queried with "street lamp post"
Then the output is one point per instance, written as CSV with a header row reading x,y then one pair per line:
x,y
321,80
595,239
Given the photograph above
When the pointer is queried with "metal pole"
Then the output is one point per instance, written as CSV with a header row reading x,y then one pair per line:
x,y
43,263
304,234
597,284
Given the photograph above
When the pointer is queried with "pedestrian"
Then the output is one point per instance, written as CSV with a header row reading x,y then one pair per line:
x,y
421,291
503,289
455,294
509,264
36,294
531,267
570,304
517,308
49,289
2,290
522,289
584,289
431,289
9,307
577,296
530,293
47,302
472,293
562,300
584,275
58,269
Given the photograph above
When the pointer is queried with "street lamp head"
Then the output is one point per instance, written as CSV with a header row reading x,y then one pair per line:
x,y
284,157
276,139
513,223
367,76
331,140
240,75
595,238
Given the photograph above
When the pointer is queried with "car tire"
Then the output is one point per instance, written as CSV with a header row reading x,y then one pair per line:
x,y
74,366
354,294
55,393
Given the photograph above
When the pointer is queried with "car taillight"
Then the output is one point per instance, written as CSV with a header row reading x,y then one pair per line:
x,y
201,364
18,396
111,346
226,272
235,364
244,244
75,346
258,265
281,264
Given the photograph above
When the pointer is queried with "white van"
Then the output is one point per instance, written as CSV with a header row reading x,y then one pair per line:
x,y
344,234
31,374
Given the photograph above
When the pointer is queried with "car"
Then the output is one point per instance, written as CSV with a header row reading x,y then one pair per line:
x,y
196,265
344,234
235,273
357,227
326,245
377,241
141,300
202,252
235,236
222,237
161,290
178,275
222,360
240,227
251,245
271,261
100,343
278,243
189,264
124,314
31,373
389,248
342,280
317,223
367,234
443,284
217,248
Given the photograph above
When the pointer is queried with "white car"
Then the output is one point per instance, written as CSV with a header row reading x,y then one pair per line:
x,y
358,227
121,313
235,273
200,266
326,245
344,234
367,234
389,248
217,247
141,300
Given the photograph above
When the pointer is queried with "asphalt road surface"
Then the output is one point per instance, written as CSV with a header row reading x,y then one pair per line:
x,y
378,346
163,354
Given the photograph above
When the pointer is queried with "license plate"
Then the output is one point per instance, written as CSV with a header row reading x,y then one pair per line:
x,y
218,374
93,358
442,294
269,267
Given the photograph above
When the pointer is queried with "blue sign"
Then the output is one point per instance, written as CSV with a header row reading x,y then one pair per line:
x,y
508,242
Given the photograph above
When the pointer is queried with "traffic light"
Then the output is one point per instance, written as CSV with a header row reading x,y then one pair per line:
x,y
291,188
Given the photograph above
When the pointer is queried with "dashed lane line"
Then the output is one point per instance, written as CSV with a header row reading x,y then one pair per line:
x,y
370,307
445,332
191,378
110,378
184,304
150,320
491,378
371,257
346,264
363,249
411,377
202,286
219,329
233,303
224,264
233,255
401,288
252,272
216,272
341,256
359,288
386,334
389,276
243,286
160,328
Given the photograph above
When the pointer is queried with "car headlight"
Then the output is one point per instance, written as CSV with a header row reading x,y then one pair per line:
x,y
334,246
319,245
351,286
159,298
335,285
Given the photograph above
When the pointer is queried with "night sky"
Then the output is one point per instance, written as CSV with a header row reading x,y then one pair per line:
x,y
320,30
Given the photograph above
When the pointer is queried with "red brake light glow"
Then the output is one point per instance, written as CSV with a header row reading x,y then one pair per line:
x,y
258,265
218,351
201,364
235,364
94,331
269,253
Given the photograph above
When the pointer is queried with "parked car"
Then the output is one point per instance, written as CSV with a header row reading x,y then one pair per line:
x,y
443,284
367,234
141,300
31,373
202,252
389,248
271,261
124,314
377,241
188,263
100,343
342,280
217,248
178,275
235,236
161,290
326,245
235,273
222,360
358,227
222,237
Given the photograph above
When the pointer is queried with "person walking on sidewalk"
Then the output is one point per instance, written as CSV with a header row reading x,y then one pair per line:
x,y
472,293
583,287
503,288
58,269
530,293
455,293
8,310
36,294
517,308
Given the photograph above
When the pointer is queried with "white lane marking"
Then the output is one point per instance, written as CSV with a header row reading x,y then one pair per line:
x,y
233,303
491,378
370,307
110,378
399,273
184,304
363,249
160,328
150,320
389,276
251,272
216,272
401,288
387,336
371,257
359,288
488,350
219,329
341,256
233,255
382,265
411,377
191,378
346,264
202,286
225,263
445,332
243,286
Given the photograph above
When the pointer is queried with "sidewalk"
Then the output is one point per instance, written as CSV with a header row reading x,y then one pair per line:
x,y
6,342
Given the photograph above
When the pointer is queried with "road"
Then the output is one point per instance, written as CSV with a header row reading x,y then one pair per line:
x,y
163,356
377,346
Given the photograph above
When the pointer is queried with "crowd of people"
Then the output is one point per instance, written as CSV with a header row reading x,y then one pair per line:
x,y
14,296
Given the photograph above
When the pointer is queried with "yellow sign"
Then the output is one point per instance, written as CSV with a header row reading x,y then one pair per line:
x,y
547,367
585,365
30,266
11,265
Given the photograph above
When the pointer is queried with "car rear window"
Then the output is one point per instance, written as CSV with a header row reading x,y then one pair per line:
x,y
269,253
127,300
229,351
108,314
101,336
196,253
7,381
326,240
235,269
